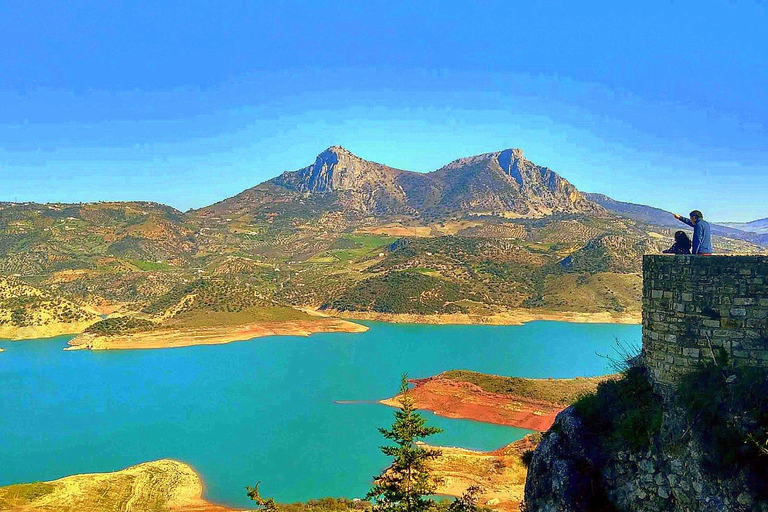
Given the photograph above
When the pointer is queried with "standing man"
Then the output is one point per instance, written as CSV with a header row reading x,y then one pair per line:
x,y
701,241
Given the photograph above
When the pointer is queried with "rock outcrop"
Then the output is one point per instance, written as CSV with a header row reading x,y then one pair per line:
x,y
695,440
568,473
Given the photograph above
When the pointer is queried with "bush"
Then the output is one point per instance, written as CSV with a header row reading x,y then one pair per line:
x,y
622,414
326,505
526,457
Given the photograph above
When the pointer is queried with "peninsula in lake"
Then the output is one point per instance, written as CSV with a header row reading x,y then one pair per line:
x,y
492,238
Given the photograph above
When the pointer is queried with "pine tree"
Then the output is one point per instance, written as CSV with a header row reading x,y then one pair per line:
x,y
406,483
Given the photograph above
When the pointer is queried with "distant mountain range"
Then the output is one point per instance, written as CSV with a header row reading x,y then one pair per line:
x,y
480,236
503,181
755,231
756,226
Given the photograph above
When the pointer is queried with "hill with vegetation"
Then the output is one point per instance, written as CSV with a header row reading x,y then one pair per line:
x,y
482,236
28,311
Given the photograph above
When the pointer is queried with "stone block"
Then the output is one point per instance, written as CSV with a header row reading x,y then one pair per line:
x,y
692,352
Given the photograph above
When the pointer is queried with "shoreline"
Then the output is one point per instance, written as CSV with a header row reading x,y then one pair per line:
x,y
463,400
460,399
193,336
514,317
166,338
176,484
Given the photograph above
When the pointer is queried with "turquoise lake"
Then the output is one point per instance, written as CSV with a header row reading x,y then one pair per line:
x,y
263,409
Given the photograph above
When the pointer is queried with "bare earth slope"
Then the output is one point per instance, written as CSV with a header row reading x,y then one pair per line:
x,y
159,486
512,401
499,473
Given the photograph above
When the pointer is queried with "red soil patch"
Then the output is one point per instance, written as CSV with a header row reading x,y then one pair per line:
x,y
457,399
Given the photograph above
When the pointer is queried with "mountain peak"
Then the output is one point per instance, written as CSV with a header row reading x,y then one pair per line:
x,y
335,154
338,151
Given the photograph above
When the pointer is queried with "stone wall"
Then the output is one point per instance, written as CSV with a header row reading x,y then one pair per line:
x,y
694,304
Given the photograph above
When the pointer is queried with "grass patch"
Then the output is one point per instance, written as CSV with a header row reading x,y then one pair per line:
x,y
20,494
148,266
197,318
558,391
622,414
352,247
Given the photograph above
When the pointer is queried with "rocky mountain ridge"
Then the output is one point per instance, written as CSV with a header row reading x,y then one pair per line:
x,y
501,183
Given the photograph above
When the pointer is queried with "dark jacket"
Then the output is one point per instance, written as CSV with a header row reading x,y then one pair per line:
x,y
702,244
678,249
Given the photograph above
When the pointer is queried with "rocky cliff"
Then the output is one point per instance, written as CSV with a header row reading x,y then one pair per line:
x,y
686,427
569,472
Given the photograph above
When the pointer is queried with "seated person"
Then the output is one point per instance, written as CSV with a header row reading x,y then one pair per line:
x,y
682,244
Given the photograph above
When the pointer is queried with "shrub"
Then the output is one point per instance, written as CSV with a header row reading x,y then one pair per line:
x,y
526,457
622,414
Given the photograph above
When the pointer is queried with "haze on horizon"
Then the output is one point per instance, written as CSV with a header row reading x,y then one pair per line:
x,y
187,103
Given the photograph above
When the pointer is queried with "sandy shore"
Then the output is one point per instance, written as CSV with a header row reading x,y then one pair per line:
x,y
159,485
500,473
169,338
335,323
457,399
514,317
31,332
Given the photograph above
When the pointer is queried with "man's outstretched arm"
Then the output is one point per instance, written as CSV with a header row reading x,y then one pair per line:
x,y
684,220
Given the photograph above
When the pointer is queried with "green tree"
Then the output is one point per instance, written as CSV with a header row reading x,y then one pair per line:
x,y
406,483
263,504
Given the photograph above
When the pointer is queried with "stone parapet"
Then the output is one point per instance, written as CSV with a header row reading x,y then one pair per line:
x,y
693,305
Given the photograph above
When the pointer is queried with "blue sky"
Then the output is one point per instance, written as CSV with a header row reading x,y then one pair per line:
x,y
187,103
